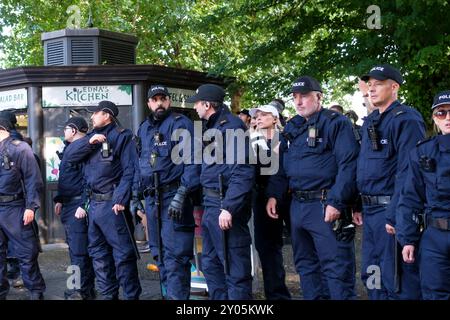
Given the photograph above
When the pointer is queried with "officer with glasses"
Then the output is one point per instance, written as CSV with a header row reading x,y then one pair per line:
x,y
67,200
423,213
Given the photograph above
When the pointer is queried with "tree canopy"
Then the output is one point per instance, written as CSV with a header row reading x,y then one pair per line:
x,y
264,44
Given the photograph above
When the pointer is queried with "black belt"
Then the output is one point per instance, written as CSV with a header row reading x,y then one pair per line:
x,y
310,195
439,223
212,193
101,196
11,198
375,200
64,199
150,191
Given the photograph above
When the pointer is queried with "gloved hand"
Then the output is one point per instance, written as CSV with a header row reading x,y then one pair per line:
x,y
343,227
136,204
176,205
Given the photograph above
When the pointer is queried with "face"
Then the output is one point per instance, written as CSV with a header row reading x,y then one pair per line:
x,y
69,133
100,119
307,104
382,92
441,117
253,122
265,120
202,109
245,118
159,103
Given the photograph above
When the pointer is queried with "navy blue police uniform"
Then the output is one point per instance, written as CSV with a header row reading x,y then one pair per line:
x,y
320,171
238,180
387,139
71,184
177,233
20,187
425,202
109,177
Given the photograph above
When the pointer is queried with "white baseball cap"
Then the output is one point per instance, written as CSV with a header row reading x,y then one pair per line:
x,y
265,108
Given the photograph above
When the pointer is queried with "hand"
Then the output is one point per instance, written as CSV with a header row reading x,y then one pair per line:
x,y
80,213
390,229
117,208
97,138
28,216
408,253
357,218
176,205
141,214
363,87
225,220
271,208
331,214
136,206
58,207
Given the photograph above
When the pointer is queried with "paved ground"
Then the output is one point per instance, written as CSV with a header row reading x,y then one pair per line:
x,y
54,262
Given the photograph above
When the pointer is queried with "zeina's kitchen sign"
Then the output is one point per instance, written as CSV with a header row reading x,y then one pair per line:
x,y
86,95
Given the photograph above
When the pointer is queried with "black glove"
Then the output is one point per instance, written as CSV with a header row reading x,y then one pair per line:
x,y
176,206
343,227
136,204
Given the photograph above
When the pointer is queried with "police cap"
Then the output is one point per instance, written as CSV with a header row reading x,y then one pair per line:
x,y
384,72
78,123
441,98
208,92
157,89
306,84
105,106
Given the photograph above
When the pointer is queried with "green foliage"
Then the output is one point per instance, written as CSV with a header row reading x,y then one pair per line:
x,y
264,44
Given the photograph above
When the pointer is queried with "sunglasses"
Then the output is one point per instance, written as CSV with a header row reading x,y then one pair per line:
x,y
441,114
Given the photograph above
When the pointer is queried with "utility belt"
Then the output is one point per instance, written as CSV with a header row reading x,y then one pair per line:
x,y
308,195
213,193
438,223
6,198
375,200
100,197
150,191
64,199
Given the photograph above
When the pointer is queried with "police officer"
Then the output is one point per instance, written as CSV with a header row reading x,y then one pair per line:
x,y
427,190
177,181
13,263
110,153
226,237
318,154
268,232
20,186
388,135
67,200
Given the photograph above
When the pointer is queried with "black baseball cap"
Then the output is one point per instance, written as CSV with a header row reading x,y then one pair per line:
x,y
306,84
157,89
9,115
244,111
207,92
106,106
77,123
441,98
384,72
5,124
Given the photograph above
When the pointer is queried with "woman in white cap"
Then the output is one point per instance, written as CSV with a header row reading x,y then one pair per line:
x,y
268,231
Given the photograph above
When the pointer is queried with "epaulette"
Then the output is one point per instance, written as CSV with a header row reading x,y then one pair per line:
x,y
223,120
398,110
423,141
330,113
120,129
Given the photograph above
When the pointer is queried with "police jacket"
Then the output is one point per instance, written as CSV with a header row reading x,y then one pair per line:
x,y
328,164
382,172
426,188
19,174
232,156
113,170
155,148
71,181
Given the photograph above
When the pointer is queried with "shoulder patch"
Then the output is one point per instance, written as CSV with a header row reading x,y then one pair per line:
x,y
423,141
